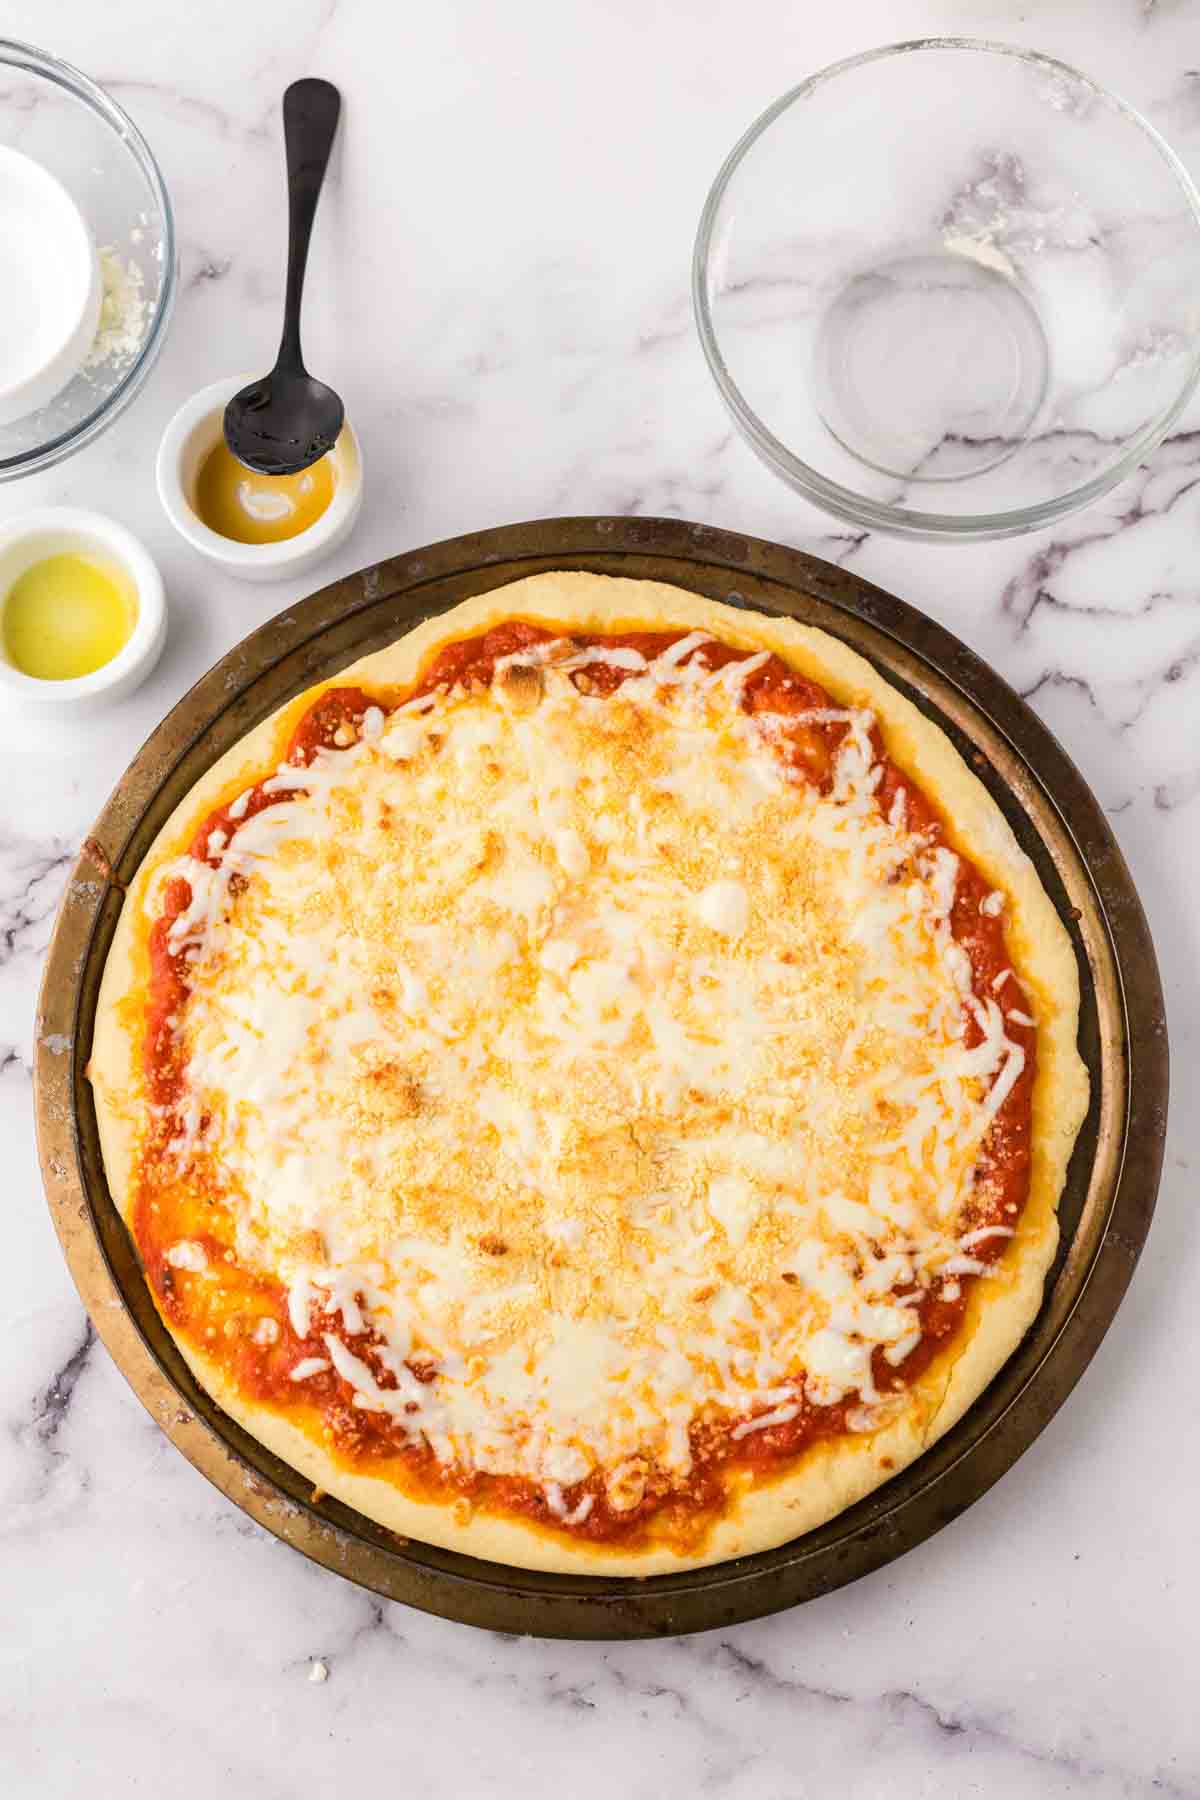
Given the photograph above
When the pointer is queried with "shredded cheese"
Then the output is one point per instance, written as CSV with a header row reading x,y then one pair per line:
x,y
573,1048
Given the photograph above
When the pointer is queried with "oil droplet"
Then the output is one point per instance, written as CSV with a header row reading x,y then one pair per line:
x,y
260,509
67,615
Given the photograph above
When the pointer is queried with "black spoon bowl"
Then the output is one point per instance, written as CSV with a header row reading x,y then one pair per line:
x,y
287,420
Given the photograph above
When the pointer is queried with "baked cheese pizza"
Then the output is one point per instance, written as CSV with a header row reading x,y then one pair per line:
x,y
590,1086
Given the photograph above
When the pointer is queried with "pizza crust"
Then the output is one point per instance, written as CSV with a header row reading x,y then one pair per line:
x,y
833,1474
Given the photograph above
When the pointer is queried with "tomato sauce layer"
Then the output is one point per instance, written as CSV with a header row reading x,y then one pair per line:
x,y
242,1320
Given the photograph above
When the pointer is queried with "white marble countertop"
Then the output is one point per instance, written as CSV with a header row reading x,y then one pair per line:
x,y
499,287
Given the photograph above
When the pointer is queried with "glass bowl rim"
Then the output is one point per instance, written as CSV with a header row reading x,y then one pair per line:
x,y
17,54
843,502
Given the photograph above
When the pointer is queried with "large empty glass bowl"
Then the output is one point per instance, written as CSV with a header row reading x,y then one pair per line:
x,y
951,289
51,112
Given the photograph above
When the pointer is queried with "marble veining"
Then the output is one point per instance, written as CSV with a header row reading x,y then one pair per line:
x,y
499,288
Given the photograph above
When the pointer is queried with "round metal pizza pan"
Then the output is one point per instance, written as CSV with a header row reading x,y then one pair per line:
x,y
1106,1207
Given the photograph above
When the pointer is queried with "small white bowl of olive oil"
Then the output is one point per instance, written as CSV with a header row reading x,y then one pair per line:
x,y
257,527
83,615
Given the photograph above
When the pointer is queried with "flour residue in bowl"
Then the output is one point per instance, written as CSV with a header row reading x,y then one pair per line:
x,y
123,310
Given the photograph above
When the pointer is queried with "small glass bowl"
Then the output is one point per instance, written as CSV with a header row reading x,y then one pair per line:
x,y
951,289
56,115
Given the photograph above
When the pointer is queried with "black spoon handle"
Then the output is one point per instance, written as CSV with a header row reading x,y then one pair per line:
x,y
310,119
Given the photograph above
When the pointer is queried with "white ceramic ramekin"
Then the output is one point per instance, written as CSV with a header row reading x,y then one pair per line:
x,y
50,305
196,427
65,530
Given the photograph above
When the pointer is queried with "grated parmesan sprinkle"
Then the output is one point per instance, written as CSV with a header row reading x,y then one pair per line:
x,y
587,984
123,311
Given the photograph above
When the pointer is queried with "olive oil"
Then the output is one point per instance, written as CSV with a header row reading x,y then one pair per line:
x,y
67,616
237,503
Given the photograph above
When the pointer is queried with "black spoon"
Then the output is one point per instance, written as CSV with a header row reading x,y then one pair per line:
x,y
287,419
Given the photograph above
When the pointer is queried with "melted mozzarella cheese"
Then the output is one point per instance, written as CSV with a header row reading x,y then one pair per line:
x,y
577,1051
725,907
